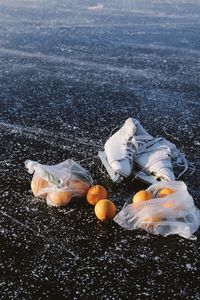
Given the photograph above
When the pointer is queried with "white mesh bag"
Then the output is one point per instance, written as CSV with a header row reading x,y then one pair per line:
x,y
172,214
67,176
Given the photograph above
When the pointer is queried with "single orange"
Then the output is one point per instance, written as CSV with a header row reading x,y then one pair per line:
x,y
164,192
168,204
152,219
37,184
105,210
142,196
149,223
80,187
60,198
96,193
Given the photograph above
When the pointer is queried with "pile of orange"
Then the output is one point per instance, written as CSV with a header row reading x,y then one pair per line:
x,y
145,195
96,195
58,197
104,208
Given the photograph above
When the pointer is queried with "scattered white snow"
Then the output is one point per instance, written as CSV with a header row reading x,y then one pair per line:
x,y
96,7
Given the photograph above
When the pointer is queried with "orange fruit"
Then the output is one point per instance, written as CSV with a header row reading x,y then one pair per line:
x,y
96,193
105,210
164,192
168,204
37,184
151,219
142,196
80,187
148,223
60,198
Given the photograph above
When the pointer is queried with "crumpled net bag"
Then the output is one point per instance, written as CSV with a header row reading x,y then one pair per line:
x,y
172,214
67,176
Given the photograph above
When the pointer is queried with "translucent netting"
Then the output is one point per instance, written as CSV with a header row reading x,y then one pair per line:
x,y
172,214
65,176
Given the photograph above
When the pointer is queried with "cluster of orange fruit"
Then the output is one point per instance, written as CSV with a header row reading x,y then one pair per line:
x,y
58,197
96,195
104,208
145,195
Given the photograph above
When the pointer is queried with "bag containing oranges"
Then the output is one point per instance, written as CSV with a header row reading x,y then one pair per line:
x,y
165,208
59,183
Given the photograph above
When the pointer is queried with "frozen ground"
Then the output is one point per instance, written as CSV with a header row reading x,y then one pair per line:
x,y
70,71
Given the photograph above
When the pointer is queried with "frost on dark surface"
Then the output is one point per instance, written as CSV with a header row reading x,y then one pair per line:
x,y
70,71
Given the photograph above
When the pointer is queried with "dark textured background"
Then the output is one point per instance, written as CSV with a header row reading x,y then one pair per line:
x,y
70,71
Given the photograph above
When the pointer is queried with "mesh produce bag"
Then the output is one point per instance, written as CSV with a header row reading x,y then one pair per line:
x,y
172,214
66,179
